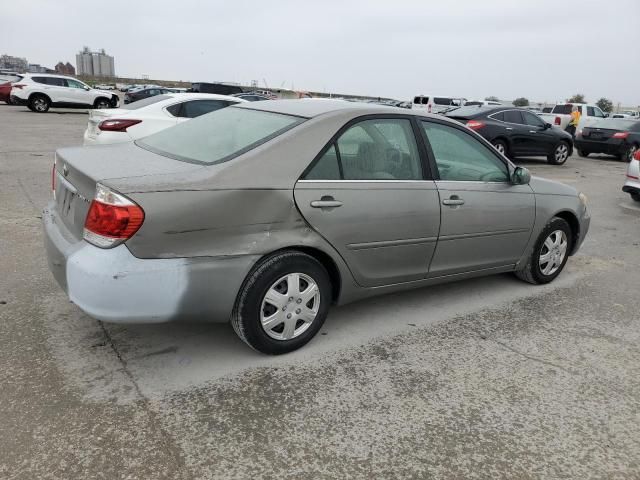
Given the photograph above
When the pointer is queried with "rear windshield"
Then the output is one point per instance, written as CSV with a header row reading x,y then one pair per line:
x,y
219,136
469,111
145,102
615,124
562,109
10,78
442,101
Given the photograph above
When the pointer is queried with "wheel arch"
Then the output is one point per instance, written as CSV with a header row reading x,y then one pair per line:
x,y
38,94
572,219
101,97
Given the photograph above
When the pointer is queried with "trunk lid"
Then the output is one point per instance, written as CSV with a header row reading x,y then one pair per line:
x,y
598,133
78,169
97,116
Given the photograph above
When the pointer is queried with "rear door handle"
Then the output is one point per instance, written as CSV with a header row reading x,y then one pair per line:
x,y
326,202
453,200
508,128
532,131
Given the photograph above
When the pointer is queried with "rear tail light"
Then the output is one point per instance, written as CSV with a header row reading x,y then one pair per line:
x,y
636,156
475,125
557,121
117,125
621,135
19,86
112,218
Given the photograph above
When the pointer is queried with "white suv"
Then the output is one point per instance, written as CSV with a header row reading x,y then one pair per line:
x,y
40,91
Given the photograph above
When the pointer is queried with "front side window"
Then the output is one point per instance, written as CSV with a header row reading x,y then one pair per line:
x,y
442,101
460,157
597,112
220,136
380,149
74,84
532,119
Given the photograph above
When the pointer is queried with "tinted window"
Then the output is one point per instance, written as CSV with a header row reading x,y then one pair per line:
x,y
562,109
195,108
219,136
442,101
498,116
173,109
326,168
381,149
145,102
533,120
614,123
513,116
590,112
416,99
460,157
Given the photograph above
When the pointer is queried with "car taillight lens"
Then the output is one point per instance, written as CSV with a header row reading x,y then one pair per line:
x,y
19,86
557,121
117,125
636,156
475,124
621,135
112,218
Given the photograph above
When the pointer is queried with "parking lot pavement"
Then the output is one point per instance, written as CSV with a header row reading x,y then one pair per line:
x,y
486,378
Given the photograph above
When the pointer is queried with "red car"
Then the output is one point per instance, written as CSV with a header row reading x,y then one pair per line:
x,y
5,86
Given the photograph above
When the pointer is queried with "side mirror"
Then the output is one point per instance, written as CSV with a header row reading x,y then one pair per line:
x,y
547,126
521,176
86,88
606,115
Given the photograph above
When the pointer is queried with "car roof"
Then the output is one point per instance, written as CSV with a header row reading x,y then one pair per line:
x,y
313,107
203,96
47,75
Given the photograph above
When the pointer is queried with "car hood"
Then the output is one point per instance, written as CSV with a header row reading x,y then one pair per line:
x,y
542,186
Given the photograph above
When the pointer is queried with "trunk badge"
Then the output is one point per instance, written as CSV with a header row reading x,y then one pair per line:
x,y
65,170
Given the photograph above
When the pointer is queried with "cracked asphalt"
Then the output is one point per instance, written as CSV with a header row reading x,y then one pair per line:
x,y
486,378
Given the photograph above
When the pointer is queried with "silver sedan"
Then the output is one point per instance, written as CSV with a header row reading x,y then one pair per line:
x,y
266,214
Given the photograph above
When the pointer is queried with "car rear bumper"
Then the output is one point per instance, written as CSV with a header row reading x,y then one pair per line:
x,y
115,286
609,147
18,101
105,138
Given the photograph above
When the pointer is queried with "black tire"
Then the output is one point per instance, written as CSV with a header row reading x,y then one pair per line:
x,y
102,103
501,146
532,271
635,196
560,154
583,154
39,103
246,317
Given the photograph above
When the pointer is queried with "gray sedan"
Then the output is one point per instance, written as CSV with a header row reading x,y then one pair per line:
x,y
266,214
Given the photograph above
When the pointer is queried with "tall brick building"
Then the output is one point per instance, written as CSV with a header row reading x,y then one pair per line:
x,y
65,69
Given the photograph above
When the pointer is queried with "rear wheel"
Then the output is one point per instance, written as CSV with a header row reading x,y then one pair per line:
x,y
501,147
559,155
550,253
39,103
283,303
102,103
582,153
635,196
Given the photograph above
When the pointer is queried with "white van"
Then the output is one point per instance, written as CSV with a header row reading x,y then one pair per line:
x,y
434,104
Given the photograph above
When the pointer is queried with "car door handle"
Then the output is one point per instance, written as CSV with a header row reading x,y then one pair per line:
x,y
532,131
326,202
508,128
452,201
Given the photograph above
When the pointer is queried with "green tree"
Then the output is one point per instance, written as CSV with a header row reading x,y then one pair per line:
x,y
605,104
577,98
521,102
492,99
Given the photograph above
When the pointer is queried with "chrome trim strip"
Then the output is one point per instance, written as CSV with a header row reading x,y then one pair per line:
x,y
482,234
391,243
365,181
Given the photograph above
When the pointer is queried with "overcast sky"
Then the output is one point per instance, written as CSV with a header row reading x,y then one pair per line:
x,y
545,50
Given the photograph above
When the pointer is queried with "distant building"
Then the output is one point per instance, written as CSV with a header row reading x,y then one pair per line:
x,y
65,69
95,64
37,68
15,64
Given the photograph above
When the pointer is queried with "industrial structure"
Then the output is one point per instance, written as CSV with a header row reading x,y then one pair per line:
x,y
95,64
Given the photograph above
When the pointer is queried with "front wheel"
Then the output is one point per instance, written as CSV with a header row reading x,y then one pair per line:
x,y
550,254
559,155
501,147
583,154
102,103
283,303
635,196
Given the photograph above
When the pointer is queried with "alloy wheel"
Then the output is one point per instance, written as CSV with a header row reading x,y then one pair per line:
x,y
290,306
500,148
40,104
553,252
562,152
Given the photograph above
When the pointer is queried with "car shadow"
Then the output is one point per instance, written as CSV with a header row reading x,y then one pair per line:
x,y
177,356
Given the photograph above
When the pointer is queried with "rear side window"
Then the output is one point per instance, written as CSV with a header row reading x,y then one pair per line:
x,y
513,116
441,101
591,112
562,109
498,116
380,149
531,119
220,136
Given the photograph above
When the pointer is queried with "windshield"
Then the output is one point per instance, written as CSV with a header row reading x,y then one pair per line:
x,y
562,109
219,136
145,102
615,124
